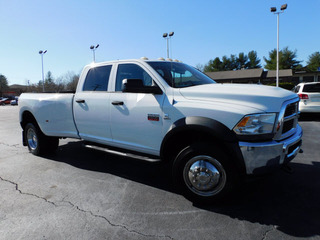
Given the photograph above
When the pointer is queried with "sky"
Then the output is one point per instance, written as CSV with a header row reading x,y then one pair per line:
x,y
128,29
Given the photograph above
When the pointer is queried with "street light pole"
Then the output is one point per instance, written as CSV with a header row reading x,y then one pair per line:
x,y
274,10
167,36
42,53
277,49
93,48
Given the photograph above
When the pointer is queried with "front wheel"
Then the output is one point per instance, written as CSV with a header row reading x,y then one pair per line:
x,y
203,173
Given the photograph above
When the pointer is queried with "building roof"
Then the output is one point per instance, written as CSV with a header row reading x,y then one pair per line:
x,y
239,74
282,73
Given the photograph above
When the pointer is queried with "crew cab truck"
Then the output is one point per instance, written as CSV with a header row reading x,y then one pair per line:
x,y
209,134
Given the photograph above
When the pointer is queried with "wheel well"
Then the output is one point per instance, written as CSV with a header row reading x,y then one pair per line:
x,y
27,117
181,139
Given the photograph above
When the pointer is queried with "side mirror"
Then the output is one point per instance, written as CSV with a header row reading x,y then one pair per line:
x,y
136,86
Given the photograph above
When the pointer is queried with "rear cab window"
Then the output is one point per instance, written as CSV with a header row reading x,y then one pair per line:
x,y
97,79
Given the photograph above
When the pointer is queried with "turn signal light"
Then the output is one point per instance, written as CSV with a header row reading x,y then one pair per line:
x,y
303,96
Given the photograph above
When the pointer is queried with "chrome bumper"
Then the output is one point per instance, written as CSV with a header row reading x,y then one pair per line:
x,y
260,157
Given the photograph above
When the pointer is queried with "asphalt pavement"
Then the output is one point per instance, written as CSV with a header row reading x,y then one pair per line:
x,y
79,193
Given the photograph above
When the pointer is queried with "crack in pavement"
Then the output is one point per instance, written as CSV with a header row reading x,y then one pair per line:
x,y
8,145
86,212
28,194
117,225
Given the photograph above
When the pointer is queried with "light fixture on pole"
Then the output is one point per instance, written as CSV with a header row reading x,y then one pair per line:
x,y
42,53
274,10
93,48
167,36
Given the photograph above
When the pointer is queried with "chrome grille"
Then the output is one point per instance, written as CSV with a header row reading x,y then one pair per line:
x,y
288,119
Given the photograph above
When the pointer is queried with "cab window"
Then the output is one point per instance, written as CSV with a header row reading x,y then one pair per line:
x,y
97,79
131,71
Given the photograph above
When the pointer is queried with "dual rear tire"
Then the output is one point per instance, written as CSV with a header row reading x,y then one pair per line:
x,y
37,142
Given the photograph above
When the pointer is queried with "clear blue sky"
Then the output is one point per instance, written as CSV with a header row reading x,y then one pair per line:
x,y
128,29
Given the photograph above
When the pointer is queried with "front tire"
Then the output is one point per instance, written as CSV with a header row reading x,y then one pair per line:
x,y
203,173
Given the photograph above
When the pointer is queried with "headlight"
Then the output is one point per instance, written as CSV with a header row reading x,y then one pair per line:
x,y
260,125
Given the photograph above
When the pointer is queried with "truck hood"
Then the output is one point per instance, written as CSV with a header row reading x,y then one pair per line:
x,y
262,98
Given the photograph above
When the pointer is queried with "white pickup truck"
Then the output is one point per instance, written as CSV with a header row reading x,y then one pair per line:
x,y
209,134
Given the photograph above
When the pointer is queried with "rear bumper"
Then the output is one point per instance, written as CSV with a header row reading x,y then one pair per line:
x,y
265,156
309,107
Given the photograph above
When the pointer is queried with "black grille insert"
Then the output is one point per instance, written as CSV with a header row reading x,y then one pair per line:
x,y
291,109
287,126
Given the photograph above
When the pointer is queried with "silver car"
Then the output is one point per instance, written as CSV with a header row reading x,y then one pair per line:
x,y
309,94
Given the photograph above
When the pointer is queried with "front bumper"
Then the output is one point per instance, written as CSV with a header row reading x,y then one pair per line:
x,y
264,156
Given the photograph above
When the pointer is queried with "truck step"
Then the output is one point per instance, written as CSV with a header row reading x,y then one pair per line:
x,y
123,154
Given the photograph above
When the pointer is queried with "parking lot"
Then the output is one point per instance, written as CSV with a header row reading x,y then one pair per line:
x,y
79,193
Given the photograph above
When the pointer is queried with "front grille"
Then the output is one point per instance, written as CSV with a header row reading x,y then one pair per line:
x,y
288,117
291,109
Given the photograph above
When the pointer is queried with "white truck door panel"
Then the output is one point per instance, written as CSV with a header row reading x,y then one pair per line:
x,y
136,119
92,106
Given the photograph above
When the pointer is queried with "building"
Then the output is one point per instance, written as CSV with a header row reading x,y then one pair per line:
x,y
239,76
259,75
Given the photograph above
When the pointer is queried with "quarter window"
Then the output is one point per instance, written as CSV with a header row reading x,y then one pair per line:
x,y
97,79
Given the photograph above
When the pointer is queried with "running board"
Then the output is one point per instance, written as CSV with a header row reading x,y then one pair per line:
x,y
123,154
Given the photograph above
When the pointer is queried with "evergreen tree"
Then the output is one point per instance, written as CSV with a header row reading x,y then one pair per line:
x,y
287,59
314,61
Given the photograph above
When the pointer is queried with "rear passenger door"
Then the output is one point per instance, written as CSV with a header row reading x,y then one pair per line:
x,y
92,106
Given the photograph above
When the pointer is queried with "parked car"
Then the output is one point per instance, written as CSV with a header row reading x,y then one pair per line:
x,y
309,94
5,101
14,101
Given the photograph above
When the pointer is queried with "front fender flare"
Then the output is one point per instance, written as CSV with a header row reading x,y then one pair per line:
x,y
216,129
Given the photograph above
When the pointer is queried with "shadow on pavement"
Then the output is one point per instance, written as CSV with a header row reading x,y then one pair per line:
x,y
290,202
309,117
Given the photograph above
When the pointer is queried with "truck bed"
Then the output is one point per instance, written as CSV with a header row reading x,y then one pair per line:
x,y
53,112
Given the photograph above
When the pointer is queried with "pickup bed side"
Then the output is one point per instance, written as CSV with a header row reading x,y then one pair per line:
x,y
53,113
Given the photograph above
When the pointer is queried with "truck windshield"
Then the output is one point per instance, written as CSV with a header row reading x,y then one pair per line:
x,y
180,75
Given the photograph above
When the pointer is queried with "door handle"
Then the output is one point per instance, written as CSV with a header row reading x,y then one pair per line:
x,y
80,101
117,103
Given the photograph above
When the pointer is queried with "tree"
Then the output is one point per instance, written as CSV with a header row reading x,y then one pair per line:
x,y
3,83
242,61
253,60
287,60
69,81
200,67
226,63
49,83
233,62
213,65
72,85
314,61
